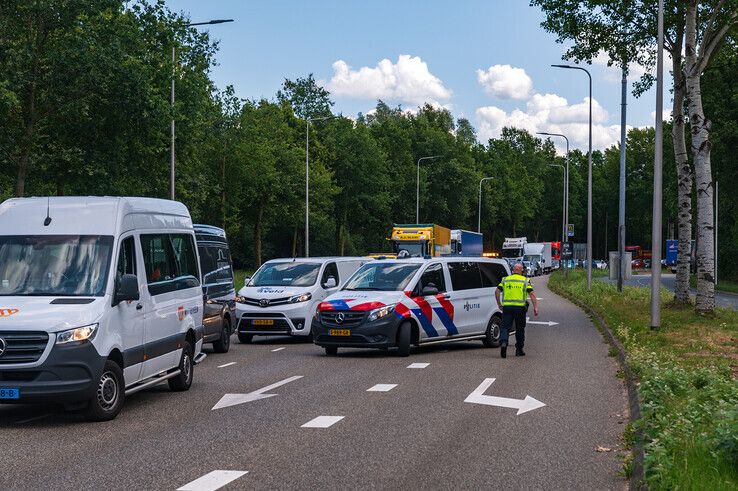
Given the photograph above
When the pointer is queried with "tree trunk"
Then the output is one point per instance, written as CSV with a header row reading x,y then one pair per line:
x,y
257,235
684,184
294,242
29,127
700,128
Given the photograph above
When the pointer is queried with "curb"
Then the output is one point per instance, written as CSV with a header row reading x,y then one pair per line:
x,y
637,479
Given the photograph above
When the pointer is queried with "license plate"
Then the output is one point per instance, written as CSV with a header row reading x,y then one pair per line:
x,y
9,393
340,332
262,322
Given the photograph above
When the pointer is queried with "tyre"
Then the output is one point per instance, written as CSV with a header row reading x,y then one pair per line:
x,y
109,395
492,335
403,339
331,350
223,344
245,338
183,381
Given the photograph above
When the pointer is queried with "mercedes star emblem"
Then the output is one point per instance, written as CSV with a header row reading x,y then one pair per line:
x,y
3,346
339,318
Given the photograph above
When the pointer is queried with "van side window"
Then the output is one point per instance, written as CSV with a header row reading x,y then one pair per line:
x,y
433,274
492,274
126,258
464,275
170,262
331,270
223,262
215,262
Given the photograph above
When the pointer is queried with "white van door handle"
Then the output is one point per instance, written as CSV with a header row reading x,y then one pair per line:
x,y
139,306
447,296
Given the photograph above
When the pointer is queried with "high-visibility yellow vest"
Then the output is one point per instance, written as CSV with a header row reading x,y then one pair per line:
x,y
515,290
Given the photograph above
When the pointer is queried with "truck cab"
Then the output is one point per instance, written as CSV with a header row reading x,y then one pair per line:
x,y
421,240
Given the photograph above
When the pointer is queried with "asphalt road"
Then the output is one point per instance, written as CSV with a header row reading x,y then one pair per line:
x,y
419,434
722,299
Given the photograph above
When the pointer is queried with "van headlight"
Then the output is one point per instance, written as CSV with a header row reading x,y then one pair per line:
x,y
380,312
302,297
77,334
240,299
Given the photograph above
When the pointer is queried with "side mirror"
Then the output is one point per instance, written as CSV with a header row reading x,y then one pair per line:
x,y
330,283
246,280
429,290
126,290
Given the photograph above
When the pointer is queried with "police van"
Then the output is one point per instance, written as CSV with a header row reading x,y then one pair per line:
x,y
282,295
99,298
401,303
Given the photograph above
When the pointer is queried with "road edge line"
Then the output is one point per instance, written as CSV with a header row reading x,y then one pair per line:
x,y
637,479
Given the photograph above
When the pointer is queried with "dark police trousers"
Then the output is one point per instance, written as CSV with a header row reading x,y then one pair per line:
x,y
512,314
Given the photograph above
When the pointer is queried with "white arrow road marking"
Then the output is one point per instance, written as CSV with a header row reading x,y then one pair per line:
x,y
235,399
212,481
418,365
543,323
381,388
227,364
278,349
323,422
523,406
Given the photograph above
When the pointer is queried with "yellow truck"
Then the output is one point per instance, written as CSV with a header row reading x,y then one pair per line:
x,y
421,239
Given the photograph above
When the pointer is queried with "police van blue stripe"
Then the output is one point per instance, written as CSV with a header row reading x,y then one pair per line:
x,y
446,320
425,323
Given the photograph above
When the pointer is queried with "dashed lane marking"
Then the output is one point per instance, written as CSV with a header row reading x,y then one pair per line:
x,y
418,365
212,481
227,364
323,422
277,349
381,388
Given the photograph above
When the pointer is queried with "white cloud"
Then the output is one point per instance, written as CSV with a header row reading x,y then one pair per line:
x,y
408,81
614,73
552,113
666,113
505,82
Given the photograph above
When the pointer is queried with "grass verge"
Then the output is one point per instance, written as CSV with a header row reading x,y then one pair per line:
x,y
722,286
688,385
238,277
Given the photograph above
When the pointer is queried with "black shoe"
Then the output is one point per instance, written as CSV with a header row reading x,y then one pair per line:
x,y
519,352
503,350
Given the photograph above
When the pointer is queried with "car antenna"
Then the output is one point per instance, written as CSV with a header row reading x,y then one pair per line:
x,y
47,220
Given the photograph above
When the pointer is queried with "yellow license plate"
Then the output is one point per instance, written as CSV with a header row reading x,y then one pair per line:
x,y
262,322
340,332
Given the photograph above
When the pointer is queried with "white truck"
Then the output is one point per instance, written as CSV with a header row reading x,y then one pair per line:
x,y
513,248
539,252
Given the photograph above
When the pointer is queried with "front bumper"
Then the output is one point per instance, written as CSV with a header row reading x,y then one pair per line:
x,y
381,333
68,375
291,319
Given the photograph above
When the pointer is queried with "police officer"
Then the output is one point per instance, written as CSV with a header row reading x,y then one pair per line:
x,y
515,290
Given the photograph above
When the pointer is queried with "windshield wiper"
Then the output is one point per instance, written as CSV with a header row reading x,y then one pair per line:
x,y
365,288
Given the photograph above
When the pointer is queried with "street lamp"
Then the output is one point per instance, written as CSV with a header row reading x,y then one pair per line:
x,y
563,208
307,180
589,176
479,217
171,147
417,187
658,160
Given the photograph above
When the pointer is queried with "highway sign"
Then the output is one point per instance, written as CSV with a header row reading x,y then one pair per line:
x,y
570,230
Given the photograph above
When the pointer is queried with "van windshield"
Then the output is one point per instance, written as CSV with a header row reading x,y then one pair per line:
x,y
532,257
382,277
54,265
286,274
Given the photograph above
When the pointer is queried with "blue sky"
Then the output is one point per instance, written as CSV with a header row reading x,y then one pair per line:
x,y
488,61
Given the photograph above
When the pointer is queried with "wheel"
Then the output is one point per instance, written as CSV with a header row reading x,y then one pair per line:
x,y
331,350
492,335
245,338
110,394
223,344
403,339
183,381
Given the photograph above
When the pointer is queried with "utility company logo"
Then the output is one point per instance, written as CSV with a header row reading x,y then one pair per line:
x,y
6,312
471,306
181,313
270,290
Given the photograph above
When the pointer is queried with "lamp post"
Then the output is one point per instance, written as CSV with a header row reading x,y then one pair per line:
x,y
307,180
658,157
563,207
566,189
417,187
479,217
171,147
589,176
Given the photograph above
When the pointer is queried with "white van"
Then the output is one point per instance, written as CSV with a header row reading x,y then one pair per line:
x,y
99,298
402,302
282,295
